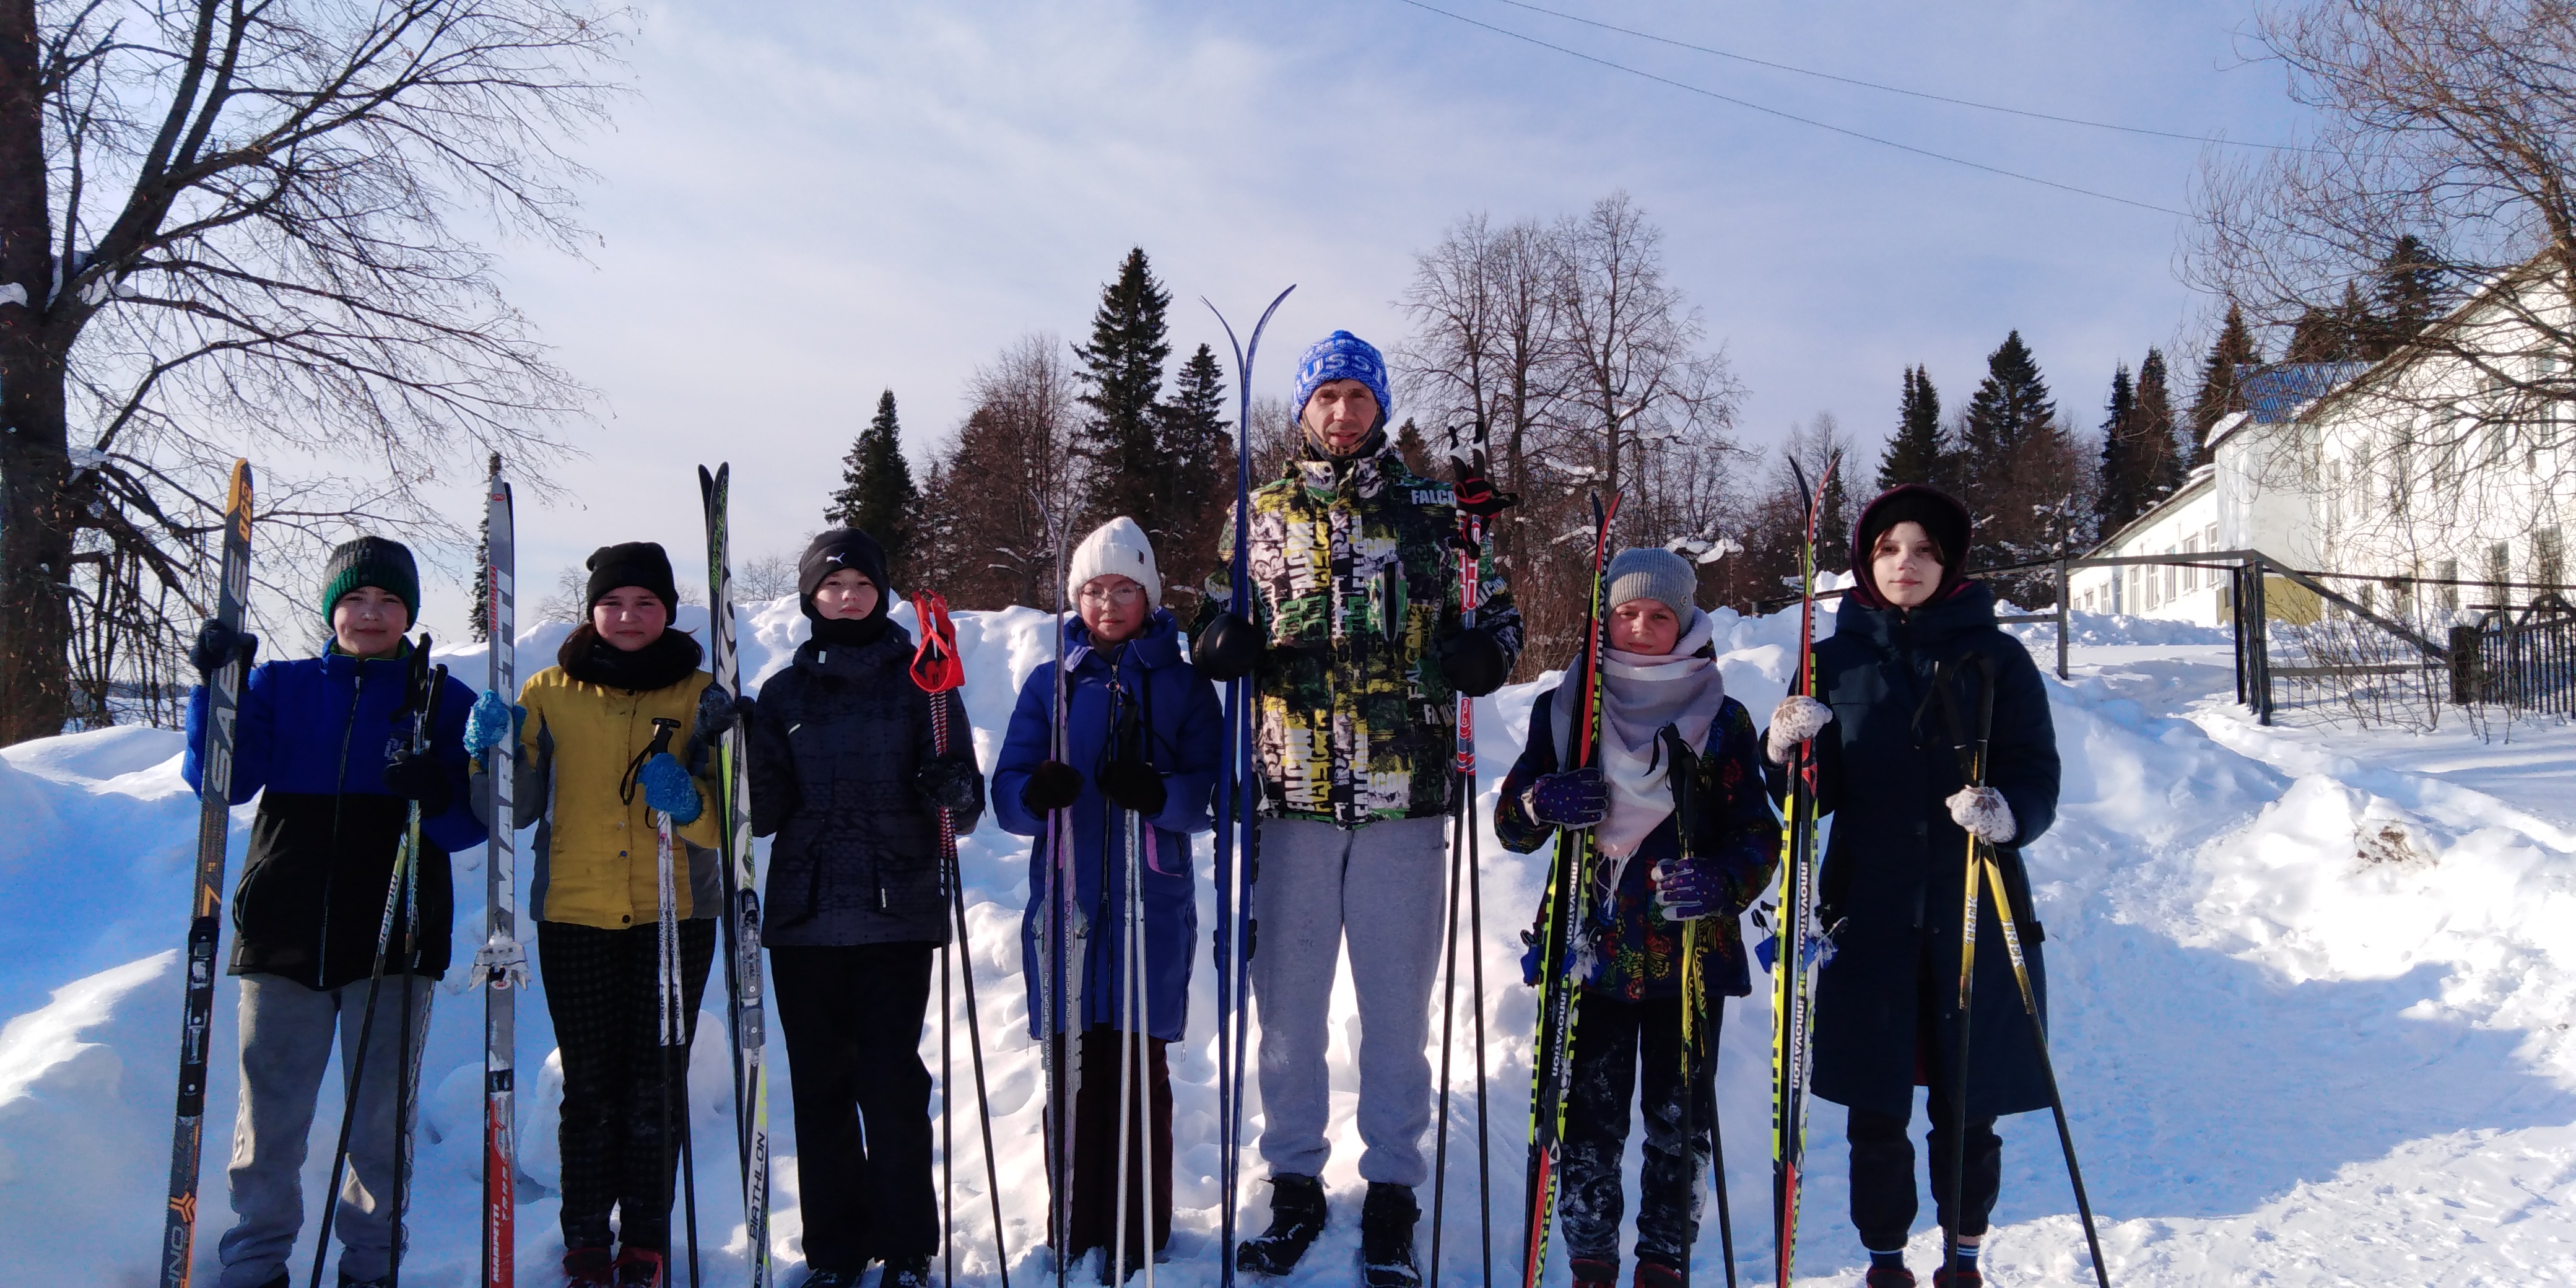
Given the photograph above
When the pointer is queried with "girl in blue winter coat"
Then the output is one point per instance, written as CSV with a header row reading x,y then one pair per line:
x,y
1675,801
1887,770
325,744
1143,740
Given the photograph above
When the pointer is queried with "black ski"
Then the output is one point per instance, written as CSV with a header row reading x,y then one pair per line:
x,y
742,920
205,921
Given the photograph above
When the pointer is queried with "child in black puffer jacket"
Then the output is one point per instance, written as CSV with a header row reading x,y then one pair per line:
x,y
844,775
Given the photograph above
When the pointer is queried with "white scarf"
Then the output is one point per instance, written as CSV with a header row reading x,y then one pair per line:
x,y
1643,696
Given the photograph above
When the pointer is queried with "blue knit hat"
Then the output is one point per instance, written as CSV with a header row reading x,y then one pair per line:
x,y
1342,356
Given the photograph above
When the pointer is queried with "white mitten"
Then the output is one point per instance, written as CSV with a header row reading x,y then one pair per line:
x,y
1795,720
1982,811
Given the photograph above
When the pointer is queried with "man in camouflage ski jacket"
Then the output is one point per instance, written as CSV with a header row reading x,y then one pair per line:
x,y
1358,653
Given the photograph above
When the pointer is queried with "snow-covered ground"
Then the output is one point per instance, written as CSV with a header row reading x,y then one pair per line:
x,y
2311,991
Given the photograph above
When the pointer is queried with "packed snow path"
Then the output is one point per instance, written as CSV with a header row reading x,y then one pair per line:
x,y
2311,994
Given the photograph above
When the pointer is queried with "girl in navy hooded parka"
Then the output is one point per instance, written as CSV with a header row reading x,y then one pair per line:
x,y
1144,737
1887,770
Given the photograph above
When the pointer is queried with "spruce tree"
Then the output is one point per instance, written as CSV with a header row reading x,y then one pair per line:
x,y
2232,358
1122,371
2160,460
1198,476
479,623
2404,298
877,495
2120,497
1914,453
2010,404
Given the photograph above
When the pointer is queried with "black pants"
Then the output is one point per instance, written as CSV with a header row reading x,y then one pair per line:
x,y
1882,1172
1612,1039
852,1019
600,992
1095,1146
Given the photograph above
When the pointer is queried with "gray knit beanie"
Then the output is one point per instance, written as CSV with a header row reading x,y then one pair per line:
x,y
1652,572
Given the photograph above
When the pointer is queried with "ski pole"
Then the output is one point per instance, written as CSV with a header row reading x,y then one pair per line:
x,y
936,670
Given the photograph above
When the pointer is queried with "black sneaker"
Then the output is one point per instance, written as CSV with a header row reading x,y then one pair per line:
x,y
1386,1237
1297,1212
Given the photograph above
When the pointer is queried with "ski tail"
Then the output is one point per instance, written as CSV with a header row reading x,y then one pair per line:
x,y
745,995
205,906
503,961
1568,884
1795,938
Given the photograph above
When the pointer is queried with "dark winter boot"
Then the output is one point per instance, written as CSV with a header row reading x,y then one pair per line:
x,y
1955,1277
1888,1277
588,1268
902,1272
1386,1237
1297,1212
831,1279
637,1268
1590,1273
1655,1274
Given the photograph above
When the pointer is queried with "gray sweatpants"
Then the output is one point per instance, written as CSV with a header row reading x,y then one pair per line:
x,y
287,1031
1375,890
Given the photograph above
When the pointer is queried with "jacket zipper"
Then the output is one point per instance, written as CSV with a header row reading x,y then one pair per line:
x,y
339,791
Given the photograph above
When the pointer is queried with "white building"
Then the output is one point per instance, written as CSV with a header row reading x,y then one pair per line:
x,y
2453,459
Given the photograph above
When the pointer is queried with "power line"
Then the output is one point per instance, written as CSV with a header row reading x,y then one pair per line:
x,y
1802,120
1909,93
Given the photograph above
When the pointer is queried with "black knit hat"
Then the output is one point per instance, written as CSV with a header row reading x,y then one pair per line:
x,y
835,550
633,563
371,561
1943,519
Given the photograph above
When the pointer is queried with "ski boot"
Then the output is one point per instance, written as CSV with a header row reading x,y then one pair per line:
x,y
588,1268
1387,1219
1655,1274
1297,1212
902,1272
637,1268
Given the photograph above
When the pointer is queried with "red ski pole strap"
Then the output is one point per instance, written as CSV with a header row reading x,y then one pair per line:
x,y
935,664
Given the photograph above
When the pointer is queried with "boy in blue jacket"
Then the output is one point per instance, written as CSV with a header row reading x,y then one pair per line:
x,y
1144,739
325,743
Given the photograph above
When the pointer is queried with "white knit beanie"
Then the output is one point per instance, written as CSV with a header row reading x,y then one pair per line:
x,y
1118,546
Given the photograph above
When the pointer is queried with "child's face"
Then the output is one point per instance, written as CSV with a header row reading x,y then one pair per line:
x,y
629,618
369,622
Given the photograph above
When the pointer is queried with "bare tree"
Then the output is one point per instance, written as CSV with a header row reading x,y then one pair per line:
x,y
769,577
1010,469
1634,369
244,228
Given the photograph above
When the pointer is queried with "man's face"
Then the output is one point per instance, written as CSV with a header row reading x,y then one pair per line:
x,y
1340,415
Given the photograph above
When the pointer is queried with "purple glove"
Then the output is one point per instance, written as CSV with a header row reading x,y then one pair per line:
x,y
1688,889
1576,798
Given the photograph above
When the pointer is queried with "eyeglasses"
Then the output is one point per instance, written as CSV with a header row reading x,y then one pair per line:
x,y
1121,596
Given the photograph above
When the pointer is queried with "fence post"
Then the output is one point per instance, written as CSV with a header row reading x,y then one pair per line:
x,y
2064,614
2236,619
2464,665
2259,642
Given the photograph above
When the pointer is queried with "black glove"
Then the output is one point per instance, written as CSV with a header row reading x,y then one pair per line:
x,y
952,783
1474,661
1135,785
1228,649
217,644
1051,786
1475,493
417,776
718,712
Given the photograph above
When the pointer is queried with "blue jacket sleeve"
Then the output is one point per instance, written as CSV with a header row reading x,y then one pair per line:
x,y
1513,826
1024,747
254,732
1199,743
456,827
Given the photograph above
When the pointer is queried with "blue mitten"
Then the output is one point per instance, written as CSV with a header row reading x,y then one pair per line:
x,y
1688,889
492,720
1576,798
668,788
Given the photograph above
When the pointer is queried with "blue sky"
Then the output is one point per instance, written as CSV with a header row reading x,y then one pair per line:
x,y
803,203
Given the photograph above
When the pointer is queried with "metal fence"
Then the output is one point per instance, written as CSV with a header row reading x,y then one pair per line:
x,y
2524,660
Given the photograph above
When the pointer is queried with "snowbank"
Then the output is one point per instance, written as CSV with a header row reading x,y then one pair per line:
x,y
2308,1010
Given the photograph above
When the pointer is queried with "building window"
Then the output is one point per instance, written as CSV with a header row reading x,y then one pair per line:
x,y
2448,573
2500,571
2548,558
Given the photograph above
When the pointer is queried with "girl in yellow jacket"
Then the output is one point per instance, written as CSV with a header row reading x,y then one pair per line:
x,y
589,779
